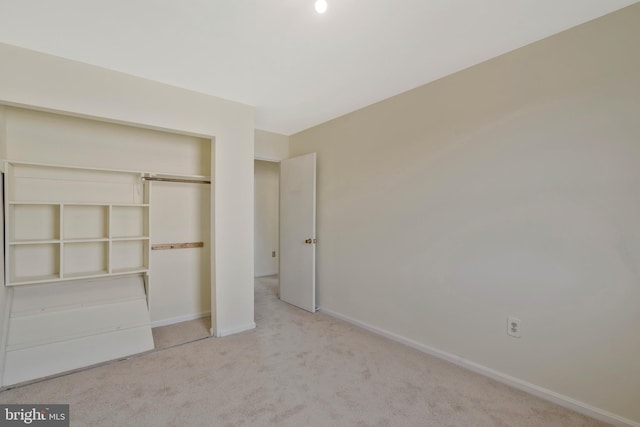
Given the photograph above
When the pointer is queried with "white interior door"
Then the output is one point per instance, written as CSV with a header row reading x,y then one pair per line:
x,y
298,231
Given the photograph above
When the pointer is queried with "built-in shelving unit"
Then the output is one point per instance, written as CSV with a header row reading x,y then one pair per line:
x,y
58,238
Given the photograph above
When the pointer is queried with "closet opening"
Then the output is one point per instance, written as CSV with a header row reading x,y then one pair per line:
x,y
108,245
180,255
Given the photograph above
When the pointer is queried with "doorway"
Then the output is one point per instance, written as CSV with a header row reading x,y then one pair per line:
x,y
284,219
266,218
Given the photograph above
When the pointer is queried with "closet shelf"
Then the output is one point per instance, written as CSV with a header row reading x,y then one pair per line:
x,y
140,269
127,238
85,274
87,240
57,240
34,279
34,242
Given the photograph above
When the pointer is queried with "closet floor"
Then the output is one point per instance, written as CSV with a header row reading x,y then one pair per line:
x,y
180,333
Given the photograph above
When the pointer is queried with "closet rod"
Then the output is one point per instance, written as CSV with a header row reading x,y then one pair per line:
x,y
185,180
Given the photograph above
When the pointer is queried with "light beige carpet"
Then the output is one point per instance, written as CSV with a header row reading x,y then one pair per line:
x,y
296,369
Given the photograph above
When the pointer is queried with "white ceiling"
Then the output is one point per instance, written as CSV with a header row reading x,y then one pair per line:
x,y
296,67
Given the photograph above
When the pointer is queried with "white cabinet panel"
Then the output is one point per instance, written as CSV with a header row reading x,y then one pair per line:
x,y
62,326
41,361
69,295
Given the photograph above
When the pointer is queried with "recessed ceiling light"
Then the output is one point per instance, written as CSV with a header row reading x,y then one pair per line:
x,y
321,6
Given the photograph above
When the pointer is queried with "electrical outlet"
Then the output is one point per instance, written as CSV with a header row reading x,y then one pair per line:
x,y
513,327
273,254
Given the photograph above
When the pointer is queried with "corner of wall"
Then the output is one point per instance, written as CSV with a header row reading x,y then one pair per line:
x,y
270,146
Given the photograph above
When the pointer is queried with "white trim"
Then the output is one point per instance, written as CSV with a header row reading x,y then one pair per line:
x,y
226,332
525,386
179,319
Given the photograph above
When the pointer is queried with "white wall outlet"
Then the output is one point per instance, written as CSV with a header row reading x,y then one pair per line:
x,y
513,327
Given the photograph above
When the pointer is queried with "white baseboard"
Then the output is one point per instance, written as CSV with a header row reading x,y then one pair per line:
x,y
533,389
231,331
179,319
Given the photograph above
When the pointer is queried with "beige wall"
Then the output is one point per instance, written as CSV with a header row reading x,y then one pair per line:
x,y
270,146
266,221
46,82
510,188
41,137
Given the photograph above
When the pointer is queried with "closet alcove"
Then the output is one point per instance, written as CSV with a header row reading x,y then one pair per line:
x,y
106,235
